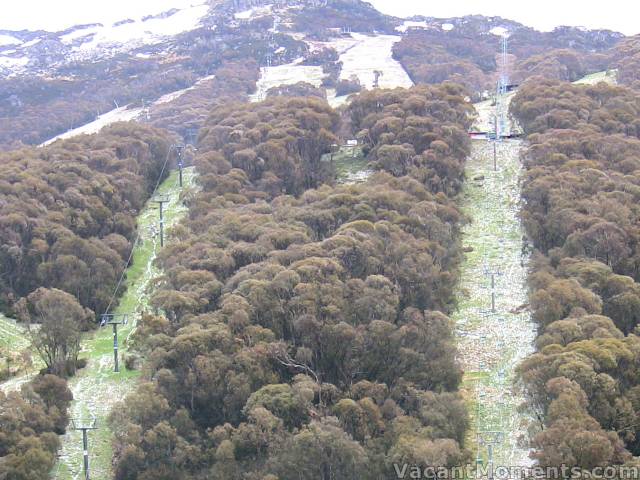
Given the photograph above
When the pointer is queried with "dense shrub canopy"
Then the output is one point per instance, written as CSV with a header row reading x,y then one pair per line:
x,y
67,211
31,422
581,192
468,53
305,325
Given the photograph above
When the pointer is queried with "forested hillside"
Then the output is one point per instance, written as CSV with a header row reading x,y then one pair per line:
x,y
467,53
340,288
34,108
306,325
68,220
582,194
626,58
31,424
68,212
233,81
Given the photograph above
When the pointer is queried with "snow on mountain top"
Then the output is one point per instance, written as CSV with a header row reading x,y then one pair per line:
x,y
58,16
11,66
447,27
253,12
499,31
140,32
411,24
9,40
81,32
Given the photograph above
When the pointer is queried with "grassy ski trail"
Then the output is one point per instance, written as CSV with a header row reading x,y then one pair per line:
x,y
96,388
491,344
17,360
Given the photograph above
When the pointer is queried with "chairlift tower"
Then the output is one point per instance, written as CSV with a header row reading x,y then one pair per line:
x,y
161,200
489,439
502,87
376,78
115,320
492,274
145,109
191,137
179,151
78,425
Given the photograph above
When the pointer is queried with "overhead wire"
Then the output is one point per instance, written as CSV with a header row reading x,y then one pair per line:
x,y
137,238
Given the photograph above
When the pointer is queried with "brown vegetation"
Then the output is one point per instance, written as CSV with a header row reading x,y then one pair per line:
x,y
67,211
31,422
626,58
468,53
582,194
303,327
233,81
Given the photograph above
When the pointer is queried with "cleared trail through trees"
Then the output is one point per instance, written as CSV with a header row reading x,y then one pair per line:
x,y
96,388
492,343
17,359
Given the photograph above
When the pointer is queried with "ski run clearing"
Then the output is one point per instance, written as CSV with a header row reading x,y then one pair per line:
x,y
15,354
288,74
361,56
97,388
122,114
608,76
493,341
369,53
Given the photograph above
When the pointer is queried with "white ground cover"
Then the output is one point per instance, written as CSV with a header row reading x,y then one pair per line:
x,y
9,40
499,31
253,12
288,74
411,24
139,32
370,53
121,114
359,176
361,56
14,64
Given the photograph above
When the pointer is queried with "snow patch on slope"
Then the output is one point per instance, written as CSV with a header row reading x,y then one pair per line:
x,y
288,74
169,97
361,55
371,53
411,24
141,32
121,114
13,64
31,43
253,12
9,40
499,31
